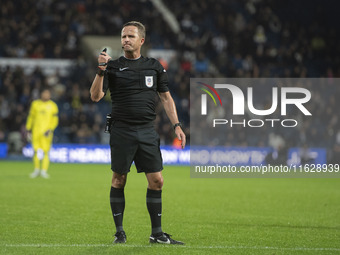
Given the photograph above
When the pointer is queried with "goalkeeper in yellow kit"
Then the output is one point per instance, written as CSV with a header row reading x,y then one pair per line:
x,y
41,122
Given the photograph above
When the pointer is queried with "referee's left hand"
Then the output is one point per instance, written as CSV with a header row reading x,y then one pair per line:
x,y
181,136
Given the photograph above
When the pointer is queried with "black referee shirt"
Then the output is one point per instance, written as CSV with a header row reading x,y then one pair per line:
x,y
133,85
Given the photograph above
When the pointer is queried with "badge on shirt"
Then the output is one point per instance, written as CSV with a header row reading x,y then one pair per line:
x,y
149,81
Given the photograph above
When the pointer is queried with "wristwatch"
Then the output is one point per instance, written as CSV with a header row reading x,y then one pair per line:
x,y
101,72
179,124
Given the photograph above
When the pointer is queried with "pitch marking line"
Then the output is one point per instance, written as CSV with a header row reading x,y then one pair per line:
x,y
177,246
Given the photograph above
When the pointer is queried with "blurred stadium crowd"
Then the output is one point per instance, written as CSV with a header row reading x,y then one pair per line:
x,y
234,38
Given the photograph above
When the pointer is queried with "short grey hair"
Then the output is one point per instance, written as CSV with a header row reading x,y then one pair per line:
x,y
137,24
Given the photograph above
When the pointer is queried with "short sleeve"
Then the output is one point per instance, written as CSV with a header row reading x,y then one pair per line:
x,y
163,80
105,83
56,109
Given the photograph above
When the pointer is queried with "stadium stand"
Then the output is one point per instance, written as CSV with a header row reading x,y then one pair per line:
x,y
248,38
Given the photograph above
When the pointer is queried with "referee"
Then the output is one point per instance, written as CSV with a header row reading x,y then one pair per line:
x,y
134,81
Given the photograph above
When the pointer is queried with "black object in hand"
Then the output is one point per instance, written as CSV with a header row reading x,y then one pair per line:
x,y
104,50
103,64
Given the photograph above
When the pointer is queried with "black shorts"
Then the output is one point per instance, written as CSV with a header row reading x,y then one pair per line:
x,y
135,143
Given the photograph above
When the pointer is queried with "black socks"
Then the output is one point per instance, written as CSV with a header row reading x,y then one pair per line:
x,y
117,201
154,205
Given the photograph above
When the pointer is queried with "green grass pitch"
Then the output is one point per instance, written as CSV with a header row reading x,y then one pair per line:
x,y
70,213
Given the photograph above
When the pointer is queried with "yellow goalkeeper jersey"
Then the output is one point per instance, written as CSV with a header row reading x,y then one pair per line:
x,y
43,116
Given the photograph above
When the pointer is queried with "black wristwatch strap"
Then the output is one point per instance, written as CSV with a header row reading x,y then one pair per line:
x,y
179,124
100,72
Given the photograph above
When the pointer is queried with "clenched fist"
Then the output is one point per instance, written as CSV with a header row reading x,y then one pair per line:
x,y
103,59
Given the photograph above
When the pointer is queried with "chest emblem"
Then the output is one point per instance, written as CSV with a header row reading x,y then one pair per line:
x,y
149,81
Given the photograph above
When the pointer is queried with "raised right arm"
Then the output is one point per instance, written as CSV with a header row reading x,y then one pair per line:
x,y
96,89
